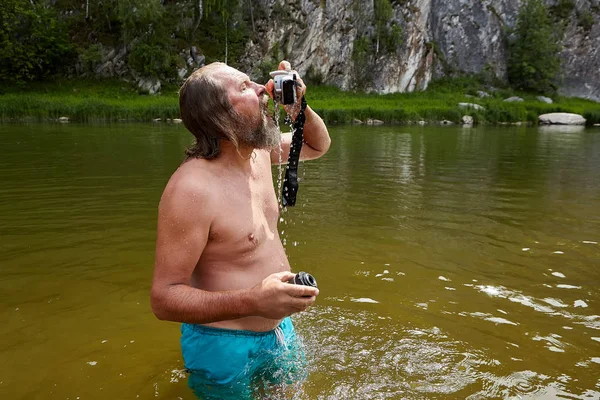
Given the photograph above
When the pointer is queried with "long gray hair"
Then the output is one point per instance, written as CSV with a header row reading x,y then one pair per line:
x,y
206,112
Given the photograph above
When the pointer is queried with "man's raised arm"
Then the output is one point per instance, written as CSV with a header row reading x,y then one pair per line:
x,y
316,135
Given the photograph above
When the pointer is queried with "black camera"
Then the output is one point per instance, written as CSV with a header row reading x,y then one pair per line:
x,y
303,278
284,90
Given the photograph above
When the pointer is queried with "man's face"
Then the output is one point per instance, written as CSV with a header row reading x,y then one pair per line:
x,y
253,125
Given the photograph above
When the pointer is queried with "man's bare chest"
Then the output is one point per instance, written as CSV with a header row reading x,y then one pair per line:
x,y
245,216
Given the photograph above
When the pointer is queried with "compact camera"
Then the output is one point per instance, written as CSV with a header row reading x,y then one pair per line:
x,y
303,278
284,90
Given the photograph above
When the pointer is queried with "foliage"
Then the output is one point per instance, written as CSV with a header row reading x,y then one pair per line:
x,y
533,63
361,52
89,100
383,13
91,57
562,9
586,20
33,40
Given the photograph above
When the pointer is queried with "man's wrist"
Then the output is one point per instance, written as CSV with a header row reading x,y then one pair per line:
x,y
249,304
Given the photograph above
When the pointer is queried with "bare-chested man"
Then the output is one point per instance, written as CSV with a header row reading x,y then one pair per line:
x,y
220,266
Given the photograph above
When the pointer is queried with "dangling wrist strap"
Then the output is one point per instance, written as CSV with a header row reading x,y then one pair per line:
x,y
290,182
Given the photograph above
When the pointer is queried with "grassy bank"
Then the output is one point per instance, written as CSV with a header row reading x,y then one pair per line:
x,y
89,101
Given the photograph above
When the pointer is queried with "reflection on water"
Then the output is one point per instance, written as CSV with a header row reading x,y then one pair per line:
x,y
452,263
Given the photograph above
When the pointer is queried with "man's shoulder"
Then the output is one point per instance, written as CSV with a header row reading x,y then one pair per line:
x,y
190,182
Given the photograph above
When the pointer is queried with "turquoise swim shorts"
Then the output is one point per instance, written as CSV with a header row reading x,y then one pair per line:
x,y
235,364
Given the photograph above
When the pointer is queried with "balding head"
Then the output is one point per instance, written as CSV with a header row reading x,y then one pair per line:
x,y
206,111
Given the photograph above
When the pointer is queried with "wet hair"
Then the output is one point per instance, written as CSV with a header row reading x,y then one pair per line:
x,y
206,112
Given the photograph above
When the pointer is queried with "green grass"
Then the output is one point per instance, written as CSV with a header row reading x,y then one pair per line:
x,y
110,100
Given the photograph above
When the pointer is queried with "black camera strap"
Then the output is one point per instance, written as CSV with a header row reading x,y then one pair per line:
x,y
290,182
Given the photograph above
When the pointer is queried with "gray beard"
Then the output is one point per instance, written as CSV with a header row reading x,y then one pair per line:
x,y
265,136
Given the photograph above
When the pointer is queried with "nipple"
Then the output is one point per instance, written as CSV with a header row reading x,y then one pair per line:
x,y
252,239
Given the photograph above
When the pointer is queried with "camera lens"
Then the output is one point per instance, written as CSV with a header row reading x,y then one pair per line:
x,y
303,278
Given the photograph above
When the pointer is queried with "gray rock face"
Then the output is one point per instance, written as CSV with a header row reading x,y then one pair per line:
x,y
438,38
562,119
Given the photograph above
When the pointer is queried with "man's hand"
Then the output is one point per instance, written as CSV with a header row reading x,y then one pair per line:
x,y
292,109
276,299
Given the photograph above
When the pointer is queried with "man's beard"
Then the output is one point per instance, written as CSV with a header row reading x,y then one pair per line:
x,y
265,134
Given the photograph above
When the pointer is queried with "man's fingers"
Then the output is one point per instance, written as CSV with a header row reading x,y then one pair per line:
x,y
285,66
283,276
302,303
269,87
302,291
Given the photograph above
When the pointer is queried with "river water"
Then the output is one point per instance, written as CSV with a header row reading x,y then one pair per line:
x,y
453,263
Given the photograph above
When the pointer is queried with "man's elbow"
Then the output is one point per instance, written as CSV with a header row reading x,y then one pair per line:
x,y
322,149
158,303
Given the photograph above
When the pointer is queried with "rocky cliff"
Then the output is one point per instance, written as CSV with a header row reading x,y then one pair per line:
x,y
438,38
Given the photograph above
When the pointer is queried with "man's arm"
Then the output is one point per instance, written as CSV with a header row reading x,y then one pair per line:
x,y
183,225
316,136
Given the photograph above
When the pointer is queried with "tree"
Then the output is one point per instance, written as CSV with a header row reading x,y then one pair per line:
x,y
533,63
33,40
383,14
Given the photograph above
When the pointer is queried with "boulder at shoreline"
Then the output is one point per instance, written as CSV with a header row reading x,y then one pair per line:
x,y
561,119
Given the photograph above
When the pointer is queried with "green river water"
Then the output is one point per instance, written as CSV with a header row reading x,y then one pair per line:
x,y
453,263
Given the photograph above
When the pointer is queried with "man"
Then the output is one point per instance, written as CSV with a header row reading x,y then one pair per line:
x,y
220,266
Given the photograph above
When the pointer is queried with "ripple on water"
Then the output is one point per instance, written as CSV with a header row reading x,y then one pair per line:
x,y
360,356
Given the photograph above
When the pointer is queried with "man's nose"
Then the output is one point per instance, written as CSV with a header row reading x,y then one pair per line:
x,y
259,89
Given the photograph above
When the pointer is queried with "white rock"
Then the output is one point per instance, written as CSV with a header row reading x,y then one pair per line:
x,y
544,99
562,119
467,120
357,121
513,99
63,119
471,105
177,121
151,86
483,94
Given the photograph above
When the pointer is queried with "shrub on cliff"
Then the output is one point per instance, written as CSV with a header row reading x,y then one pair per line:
x,y
33,40
533,62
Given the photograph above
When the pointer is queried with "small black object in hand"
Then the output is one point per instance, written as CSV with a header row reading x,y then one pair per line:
x,y
303,278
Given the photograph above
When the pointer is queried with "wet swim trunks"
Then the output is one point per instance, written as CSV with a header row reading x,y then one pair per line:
x,y
233,364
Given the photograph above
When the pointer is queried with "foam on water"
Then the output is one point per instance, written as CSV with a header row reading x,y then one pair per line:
x,y
555,302
580,303
363,300
499,320
562,286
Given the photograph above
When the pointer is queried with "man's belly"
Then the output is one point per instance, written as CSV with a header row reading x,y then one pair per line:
x,y
225,271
